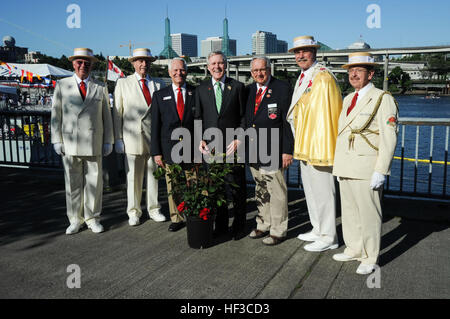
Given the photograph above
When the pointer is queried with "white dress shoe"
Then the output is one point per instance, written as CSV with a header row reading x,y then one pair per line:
x,y
95,226
73,228
364,269
318,246
157,216
308,237
343,257
133,221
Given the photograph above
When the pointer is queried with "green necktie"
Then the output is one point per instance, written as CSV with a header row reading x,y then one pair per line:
x,y
218,96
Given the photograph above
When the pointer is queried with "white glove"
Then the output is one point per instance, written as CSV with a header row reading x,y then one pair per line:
x,y
119,147
107,149
377,180
59,149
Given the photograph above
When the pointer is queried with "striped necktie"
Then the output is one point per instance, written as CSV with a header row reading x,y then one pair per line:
x,y
218,96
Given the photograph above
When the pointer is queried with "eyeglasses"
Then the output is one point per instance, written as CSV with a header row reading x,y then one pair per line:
x,y
81,62
259,71
357,70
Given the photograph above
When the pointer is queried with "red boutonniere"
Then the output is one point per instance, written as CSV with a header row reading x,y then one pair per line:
x,y
310,84
392,121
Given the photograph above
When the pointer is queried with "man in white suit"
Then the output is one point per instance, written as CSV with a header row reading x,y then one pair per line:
x,y
313,115
133,97
82,131
367,136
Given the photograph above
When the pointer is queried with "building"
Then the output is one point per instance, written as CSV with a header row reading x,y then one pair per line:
x,y
264,42
32,57
282,46
184,44
9,52
168,52
215,44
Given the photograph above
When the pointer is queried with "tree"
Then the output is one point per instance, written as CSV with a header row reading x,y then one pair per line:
x,y
438,65
399,80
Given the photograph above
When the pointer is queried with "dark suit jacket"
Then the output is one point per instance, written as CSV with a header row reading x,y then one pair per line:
x,y
232,112
165,119
278,96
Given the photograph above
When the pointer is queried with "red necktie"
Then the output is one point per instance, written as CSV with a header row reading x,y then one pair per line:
x,y
83,89
146,91
258,99
301,79
350,108
180,104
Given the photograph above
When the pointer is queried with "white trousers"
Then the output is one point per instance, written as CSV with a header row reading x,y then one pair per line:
x,y
84,187
272,202
138,166
361,219
320,194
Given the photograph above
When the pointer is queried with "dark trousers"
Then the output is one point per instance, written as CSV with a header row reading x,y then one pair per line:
x,y
238,196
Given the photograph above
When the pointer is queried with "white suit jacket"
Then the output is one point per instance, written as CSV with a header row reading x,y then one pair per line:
x,y
81,126
130,107
359,160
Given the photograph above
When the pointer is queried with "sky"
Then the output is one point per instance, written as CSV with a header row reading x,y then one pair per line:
x,y
105,25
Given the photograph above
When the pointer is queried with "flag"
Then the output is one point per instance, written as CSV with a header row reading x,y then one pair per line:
x,y
114,73
30,77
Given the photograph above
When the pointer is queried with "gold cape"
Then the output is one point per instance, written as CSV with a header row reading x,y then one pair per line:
x,y
316,116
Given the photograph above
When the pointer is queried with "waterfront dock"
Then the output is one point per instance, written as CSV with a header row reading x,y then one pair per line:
x,y
149,262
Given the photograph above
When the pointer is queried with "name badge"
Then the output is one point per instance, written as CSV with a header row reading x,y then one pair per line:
x,y
167,98
272,111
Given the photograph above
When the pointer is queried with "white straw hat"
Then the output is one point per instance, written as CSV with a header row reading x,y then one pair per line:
x,y
142,53
305,41
83,53
359,58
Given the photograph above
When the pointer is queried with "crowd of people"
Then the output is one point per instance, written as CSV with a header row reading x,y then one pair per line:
x,y
351,139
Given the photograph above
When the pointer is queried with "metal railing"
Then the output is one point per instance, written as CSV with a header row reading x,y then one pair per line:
x,y
25,139
419,168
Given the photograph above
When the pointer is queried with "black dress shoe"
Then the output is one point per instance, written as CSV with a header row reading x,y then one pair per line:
x,y
176,226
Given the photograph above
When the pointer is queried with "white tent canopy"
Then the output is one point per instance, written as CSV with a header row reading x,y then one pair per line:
x,y
8,89
36,69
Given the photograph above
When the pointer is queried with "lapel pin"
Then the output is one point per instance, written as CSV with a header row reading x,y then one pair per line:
x,y
268,95
229,87
270,91
189,93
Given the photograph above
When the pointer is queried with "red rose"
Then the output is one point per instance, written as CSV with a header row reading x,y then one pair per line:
x,y
204,213
181,207
310,84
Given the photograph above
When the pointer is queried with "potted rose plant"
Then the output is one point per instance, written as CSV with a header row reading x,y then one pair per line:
x,y
198,194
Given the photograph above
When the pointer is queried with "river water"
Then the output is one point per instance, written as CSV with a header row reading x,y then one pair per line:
x,y
416,106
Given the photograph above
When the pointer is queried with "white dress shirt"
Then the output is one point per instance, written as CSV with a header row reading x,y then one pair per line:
x,y
222,84
139,78
263,87
175,92
86,81
364,90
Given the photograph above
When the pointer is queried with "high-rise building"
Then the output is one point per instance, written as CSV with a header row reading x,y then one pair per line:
x,y
168,52
264,42
216,44
282,46
185,44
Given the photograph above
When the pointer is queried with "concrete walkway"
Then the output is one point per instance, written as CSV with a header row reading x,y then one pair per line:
x,y
149,262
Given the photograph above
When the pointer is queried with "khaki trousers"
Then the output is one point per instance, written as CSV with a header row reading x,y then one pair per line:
x,y
138,166
84,187
361,219
320,194
271,200
175,215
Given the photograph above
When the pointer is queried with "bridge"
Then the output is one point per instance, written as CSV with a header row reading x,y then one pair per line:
x,y
333,59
